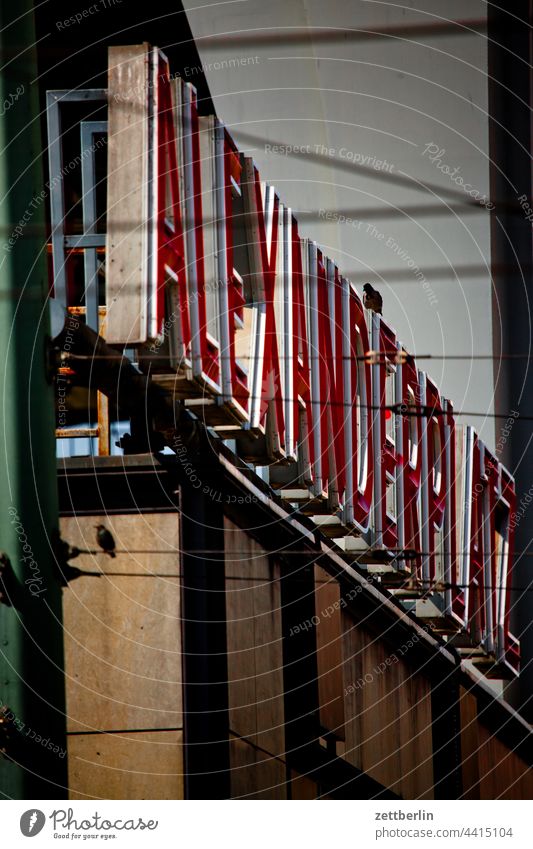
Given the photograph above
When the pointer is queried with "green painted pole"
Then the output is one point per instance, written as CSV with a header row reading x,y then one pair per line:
x,y
31,644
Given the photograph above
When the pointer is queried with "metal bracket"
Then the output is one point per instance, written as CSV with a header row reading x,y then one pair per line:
x,y
7,580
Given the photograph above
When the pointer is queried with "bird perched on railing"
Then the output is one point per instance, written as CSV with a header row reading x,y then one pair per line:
x,y
105,540
372,300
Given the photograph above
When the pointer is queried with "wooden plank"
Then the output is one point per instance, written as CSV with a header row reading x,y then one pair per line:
x,y
255,656
329,653
352,645
123,653
145,544
469,744
127,195
255,774
120,766
416,735
387,708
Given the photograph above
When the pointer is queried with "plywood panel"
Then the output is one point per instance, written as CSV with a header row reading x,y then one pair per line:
x,y
254,773
135,766
123,653
127,195
255,658
409,741
329,652
146,544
